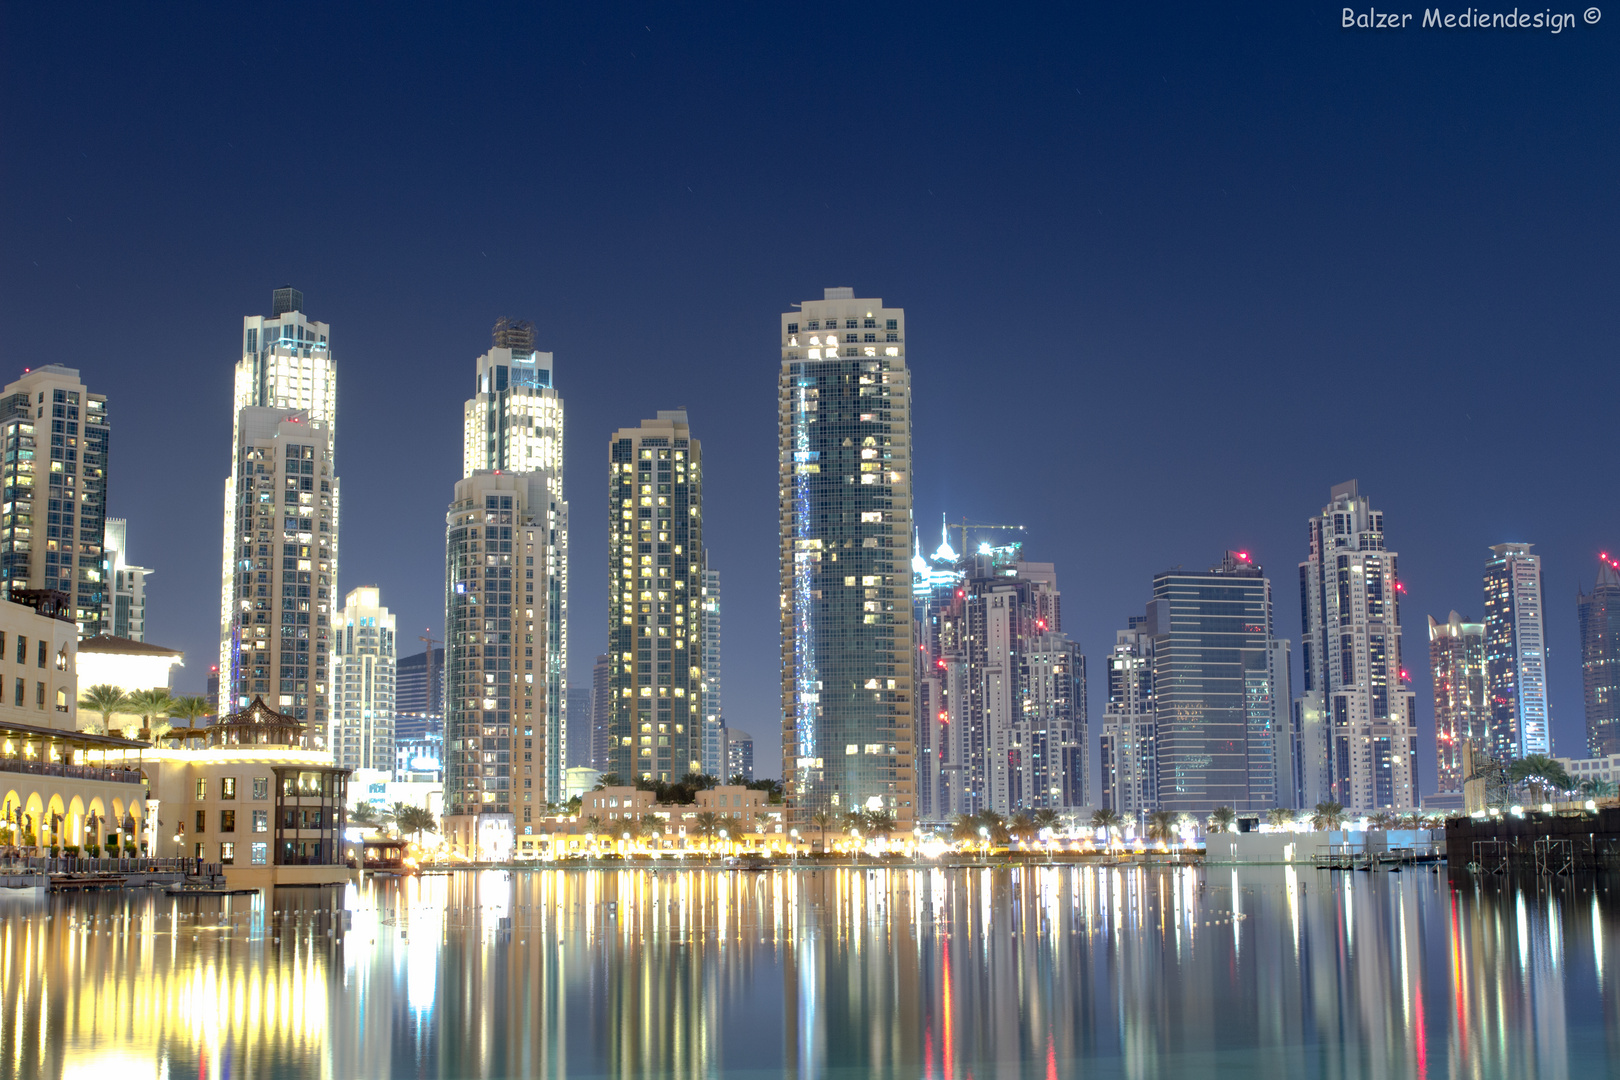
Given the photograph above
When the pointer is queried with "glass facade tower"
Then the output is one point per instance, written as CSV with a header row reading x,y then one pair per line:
x,y
1515,653
1457,665
844,445
714,729
1599,614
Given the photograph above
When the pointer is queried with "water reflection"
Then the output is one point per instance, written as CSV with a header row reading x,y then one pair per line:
x,y
918,973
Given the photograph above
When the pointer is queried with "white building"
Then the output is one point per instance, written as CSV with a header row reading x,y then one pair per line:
x,y
1129,769
52,523
280,566
1606,769
1515,653
1350,590
714,732
363,656
125,615
514,423
127,664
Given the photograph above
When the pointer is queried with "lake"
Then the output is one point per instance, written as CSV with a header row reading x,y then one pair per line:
x,y
948,974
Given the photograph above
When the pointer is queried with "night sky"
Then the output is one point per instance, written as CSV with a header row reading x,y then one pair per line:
x,y
1169,274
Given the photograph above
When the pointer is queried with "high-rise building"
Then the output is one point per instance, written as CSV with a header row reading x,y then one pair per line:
x,y
419,694
602,713
739,755
497,534
1129,768
278,640
655,602
579,727
1515,653
1599,614
363,658
934,583
1365,744
1220,689
280,563
125,583
514,423
52,522
1461,711
844,442
714,743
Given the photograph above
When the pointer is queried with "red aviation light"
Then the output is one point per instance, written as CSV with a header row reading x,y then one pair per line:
x,y
1040,624
1243,556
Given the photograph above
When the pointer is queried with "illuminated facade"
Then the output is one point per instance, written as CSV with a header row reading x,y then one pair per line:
x,y
844,445
497,533
1599,614
1515,653
52,526
655,602
125,616
1220,689
514,423
280,565
1129,769
714,731
739,755
934,582
1461,711
363,660
1365,745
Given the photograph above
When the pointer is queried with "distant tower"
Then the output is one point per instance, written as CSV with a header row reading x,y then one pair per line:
x,y
1365,743
655,617
714,743
1461,712
125,584
844,432
1600,658
1128,766
363,681
1515,653
601,712
739,755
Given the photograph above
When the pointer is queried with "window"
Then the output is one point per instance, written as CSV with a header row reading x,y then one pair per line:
x,y
202,822
261,821
202,789
227,788
22,651
39,695
44,652
259,853
22,692
227,853
893,324
227,821
61,701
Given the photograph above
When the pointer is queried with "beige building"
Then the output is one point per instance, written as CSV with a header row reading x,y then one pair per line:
x,y
126,663
363,683
58,786
254,794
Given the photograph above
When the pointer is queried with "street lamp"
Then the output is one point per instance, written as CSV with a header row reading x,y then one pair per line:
x,y
794,834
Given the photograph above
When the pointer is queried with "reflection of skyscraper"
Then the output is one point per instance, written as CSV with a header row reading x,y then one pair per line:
x,y
1365,744
1457,664
844,415
514,423
1600,658
655,617
714,743
1515,652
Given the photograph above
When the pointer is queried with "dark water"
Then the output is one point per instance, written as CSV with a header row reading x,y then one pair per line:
x,y
1055,972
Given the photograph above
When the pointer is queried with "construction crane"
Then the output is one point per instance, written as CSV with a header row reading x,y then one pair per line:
x,y
965,525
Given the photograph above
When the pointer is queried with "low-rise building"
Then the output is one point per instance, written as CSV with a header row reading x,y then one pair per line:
x,y
1605,769
126,663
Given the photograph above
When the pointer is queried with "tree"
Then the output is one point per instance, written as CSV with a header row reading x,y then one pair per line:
x,y
607,780
415,820
1045,818
105,700
649,828
593,825
364,815
150,704
708,825
189,709
1598,789
880,824
823,821
1540,774
1279,818
1108,820
855,821
965,828
1161,826
1327,816
1384,820
999,835
1222,819
1023,828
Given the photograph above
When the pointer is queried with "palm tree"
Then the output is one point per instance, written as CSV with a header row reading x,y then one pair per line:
x,y
396,815
148,704
1384,820
1222,819
708,825
1539,773
364,815
607,780
880,824
593,825
1108,820
415,820
997,825
1023,827
823,821
1161,826
855,821
1045,818
105,699
189,709
1279,818
1327,816
1598,789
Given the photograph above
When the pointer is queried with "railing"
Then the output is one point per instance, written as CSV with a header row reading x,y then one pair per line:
x,y
74,772
66,864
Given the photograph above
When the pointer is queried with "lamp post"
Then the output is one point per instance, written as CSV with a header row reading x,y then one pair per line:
x,y
793,834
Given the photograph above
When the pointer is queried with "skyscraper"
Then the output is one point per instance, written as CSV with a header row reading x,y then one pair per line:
x,y
1365,745
363,660
579,727
1129,766
714,742
514,423
601,713
1220,688
281,517
934,583
1457,664
497,533
419,694
1515,653
1600,658
844,439
52,522
739,756
125,585
655,614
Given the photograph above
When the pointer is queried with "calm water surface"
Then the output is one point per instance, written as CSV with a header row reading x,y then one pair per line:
x,y
947,974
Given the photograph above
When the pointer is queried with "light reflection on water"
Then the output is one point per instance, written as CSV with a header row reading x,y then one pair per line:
x,y
945,974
